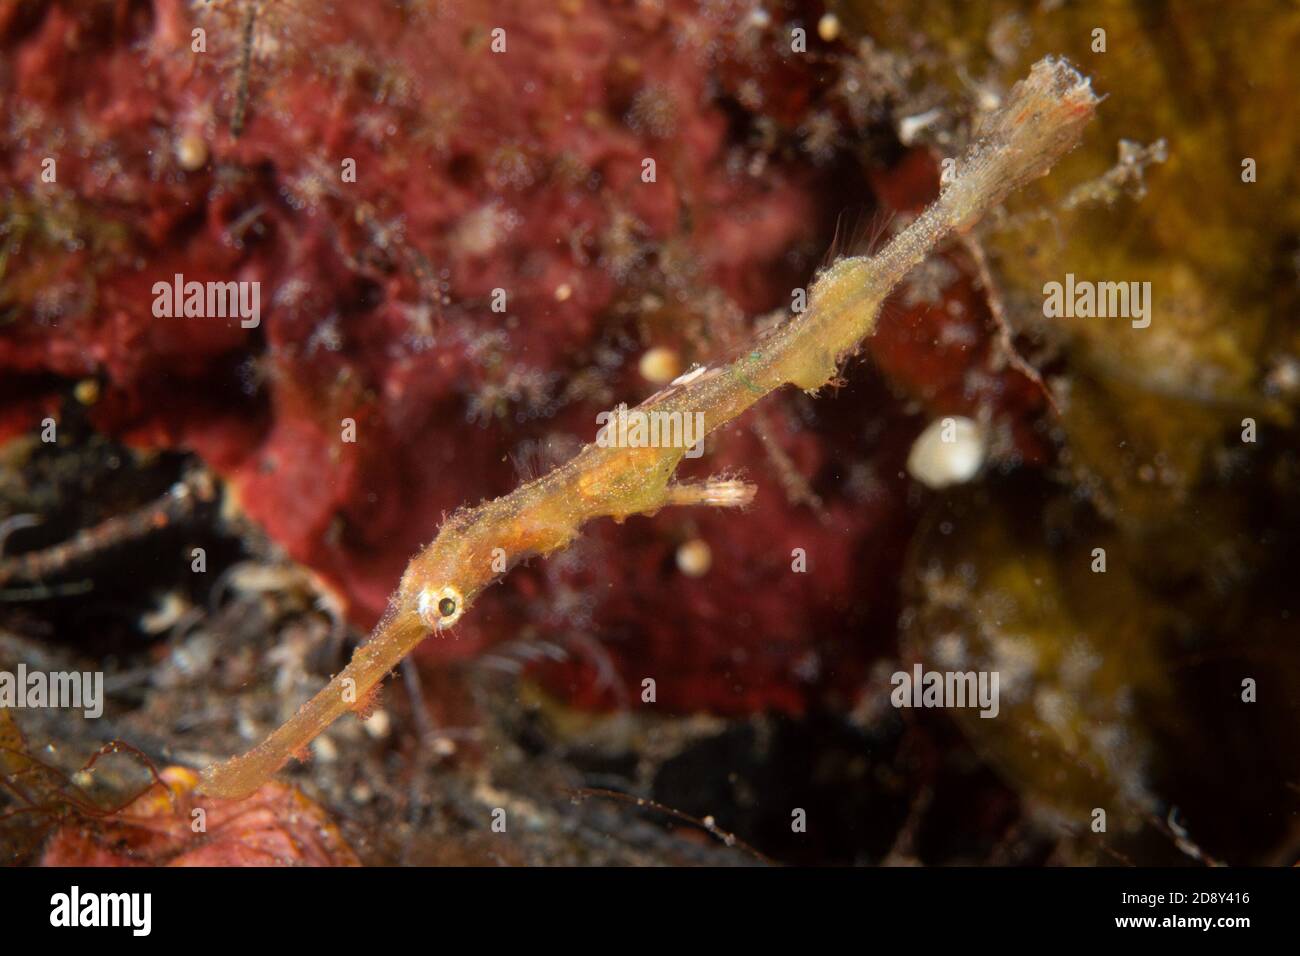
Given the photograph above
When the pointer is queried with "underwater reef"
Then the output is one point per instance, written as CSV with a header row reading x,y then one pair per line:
x,y
462,263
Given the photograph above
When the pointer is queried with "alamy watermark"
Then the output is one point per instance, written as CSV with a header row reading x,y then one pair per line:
x,y
922,688
133,911
74,690
633,428
1083,299
209,300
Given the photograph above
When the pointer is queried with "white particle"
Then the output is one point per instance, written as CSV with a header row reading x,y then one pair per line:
x,y
949,452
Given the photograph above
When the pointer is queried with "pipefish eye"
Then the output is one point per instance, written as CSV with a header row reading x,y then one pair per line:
x,y
440,607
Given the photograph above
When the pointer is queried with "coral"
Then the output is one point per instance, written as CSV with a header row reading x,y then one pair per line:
x,y
277,826
163,824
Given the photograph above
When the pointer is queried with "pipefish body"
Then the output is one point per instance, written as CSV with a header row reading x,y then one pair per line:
x,y
1042,119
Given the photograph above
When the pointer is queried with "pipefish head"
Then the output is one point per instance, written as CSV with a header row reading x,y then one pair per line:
x,y
443,580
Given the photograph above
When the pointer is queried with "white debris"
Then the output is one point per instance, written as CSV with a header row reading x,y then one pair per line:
x,y
828,27
911,127
660,365
949,452
694,558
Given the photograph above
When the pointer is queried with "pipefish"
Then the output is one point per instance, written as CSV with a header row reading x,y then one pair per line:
x,y
1042,119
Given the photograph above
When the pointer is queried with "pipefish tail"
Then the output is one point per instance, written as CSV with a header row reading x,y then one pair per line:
x,y
1042,119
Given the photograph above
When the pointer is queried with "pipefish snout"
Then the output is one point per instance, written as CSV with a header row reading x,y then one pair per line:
x,y
1042,119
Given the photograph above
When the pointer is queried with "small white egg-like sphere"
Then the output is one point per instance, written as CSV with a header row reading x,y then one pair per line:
x,y
660,365
191,152
949,452
694,558
828,27
87,391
